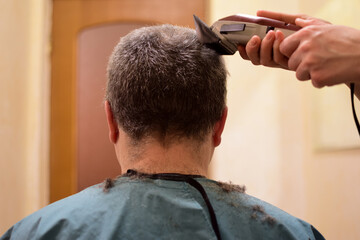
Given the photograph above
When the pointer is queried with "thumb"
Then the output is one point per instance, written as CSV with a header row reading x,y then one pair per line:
x,y
310,21
303,22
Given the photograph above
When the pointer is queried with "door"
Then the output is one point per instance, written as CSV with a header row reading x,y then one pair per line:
x,y
83,35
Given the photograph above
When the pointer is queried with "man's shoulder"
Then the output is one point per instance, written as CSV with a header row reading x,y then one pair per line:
x,y
242,214
97,209
74,212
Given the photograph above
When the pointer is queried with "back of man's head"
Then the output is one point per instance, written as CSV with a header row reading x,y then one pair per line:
x,y
162,82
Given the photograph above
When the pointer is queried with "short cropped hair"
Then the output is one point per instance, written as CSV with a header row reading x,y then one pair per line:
x,y
163,82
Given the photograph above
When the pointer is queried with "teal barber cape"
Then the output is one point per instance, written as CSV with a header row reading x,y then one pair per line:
x,y
143,208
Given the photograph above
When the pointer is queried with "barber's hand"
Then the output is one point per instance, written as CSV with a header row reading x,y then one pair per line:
x,y
326,54
267,52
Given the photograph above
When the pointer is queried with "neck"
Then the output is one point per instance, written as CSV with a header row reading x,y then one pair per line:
x,y
150,156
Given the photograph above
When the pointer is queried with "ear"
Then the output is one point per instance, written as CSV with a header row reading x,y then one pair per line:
x,y
219,127
112,124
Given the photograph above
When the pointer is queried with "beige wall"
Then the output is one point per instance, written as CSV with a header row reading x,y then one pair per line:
x,y
332,175
290,144
23,108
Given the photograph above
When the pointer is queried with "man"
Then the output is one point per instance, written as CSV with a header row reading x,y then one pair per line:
x,y
325,53
165,108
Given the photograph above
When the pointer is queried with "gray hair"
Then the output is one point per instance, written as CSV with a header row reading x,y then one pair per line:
x,y
163,82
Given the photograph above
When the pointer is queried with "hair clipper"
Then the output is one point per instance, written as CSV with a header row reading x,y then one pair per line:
x,y
227,33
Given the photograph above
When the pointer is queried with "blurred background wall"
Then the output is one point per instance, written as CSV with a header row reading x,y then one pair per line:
x,y
24,101
290,144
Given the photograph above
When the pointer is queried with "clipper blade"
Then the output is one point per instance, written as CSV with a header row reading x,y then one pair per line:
x,y
206,36
204,33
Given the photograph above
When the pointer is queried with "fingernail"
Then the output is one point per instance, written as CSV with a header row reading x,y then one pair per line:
x,y
253,42
270,35
301,20
277,35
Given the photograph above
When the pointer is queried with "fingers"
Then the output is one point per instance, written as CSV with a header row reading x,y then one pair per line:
x,y
303,72
265,52
296,58
242,52
252,50
277,55
288,18
290,44
310,21
266,57
301,20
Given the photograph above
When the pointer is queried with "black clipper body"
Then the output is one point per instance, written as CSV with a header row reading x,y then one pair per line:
x,y
227,33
